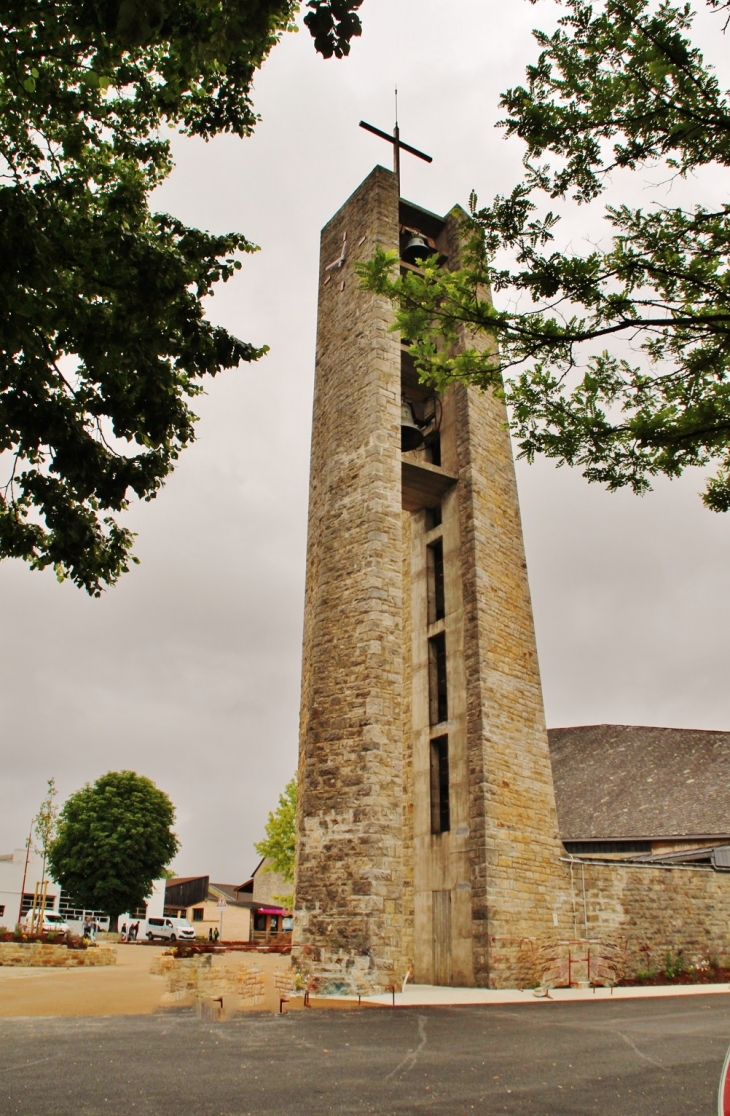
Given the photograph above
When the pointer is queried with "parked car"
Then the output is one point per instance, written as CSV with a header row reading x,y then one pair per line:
x,y
169,929
51,921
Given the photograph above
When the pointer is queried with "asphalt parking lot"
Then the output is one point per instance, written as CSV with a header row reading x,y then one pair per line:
x,y
631,1058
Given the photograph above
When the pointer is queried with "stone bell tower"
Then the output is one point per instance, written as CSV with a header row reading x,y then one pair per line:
x,y
427,832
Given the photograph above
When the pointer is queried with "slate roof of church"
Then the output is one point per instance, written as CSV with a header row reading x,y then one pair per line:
x,y
621,781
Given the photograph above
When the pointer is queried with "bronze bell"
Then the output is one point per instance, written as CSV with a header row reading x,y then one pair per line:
x,y
416,250
410,435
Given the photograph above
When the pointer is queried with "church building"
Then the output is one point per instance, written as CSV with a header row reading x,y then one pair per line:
x,y
428,838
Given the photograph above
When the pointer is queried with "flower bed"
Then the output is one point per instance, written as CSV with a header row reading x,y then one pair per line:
x,y
44,937
195,948
677,971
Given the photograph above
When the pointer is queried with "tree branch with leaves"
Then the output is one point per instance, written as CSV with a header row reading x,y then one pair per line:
x,y
618,86
279,844
103,337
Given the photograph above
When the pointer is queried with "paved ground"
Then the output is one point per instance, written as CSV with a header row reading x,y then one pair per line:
x,y
621,1058
429,995
126,988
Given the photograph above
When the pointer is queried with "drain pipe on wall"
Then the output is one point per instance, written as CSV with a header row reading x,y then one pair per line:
x,y
571,861
585,907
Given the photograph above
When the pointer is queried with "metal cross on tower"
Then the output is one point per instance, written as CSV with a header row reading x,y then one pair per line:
x,y
397,142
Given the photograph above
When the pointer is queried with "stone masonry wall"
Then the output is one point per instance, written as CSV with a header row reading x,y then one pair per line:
x,y
654,911
408,773
620,920
269,886
40,955
348,928
518,883
529,917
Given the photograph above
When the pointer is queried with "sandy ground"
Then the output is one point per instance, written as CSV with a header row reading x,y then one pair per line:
x,y
126,988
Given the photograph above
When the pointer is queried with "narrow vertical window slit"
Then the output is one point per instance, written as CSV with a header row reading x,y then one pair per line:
x,y
435,581
440,806
438,698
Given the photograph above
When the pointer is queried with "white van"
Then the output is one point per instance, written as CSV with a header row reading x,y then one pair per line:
x,y
169,929
51,921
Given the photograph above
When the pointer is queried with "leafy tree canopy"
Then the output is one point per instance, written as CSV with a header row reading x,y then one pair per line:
x,y
114,840
619,85
279,843
103,339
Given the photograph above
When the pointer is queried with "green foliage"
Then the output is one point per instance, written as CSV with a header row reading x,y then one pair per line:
x,y
114,840
286,900
280,841
45,824
332,23
674,966
103,339
644,975
619,85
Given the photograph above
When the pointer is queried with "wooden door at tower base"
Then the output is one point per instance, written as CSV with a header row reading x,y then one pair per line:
x,y
441,937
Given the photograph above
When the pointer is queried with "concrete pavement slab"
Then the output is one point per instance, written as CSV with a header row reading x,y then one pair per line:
x,y
416,995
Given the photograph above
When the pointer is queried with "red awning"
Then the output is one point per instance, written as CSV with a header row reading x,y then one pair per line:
x,y
270,910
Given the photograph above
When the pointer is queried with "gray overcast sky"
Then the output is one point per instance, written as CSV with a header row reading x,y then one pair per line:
x,y
188,671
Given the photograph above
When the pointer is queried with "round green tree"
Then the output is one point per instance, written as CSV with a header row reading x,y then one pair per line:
x,y
114,840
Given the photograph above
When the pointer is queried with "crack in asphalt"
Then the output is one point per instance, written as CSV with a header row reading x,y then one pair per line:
x,y
411,1057
636,1050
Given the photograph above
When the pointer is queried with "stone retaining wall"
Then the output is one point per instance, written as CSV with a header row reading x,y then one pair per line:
x,y
190,980
649,912
621,920
41,955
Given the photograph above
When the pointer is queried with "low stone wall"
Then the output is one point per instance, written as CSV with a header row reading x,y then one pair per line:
x,y
284,981
564,963
40,955
623,919
243,985
649,912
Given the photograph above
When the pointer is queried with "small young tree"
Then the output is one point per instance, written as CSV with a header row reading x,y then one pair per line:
x,y
280,842
45,824
114,840
43,829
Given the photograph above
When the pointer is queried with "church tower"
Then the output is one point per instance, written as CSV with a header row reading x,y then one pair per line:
x,y
427,832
